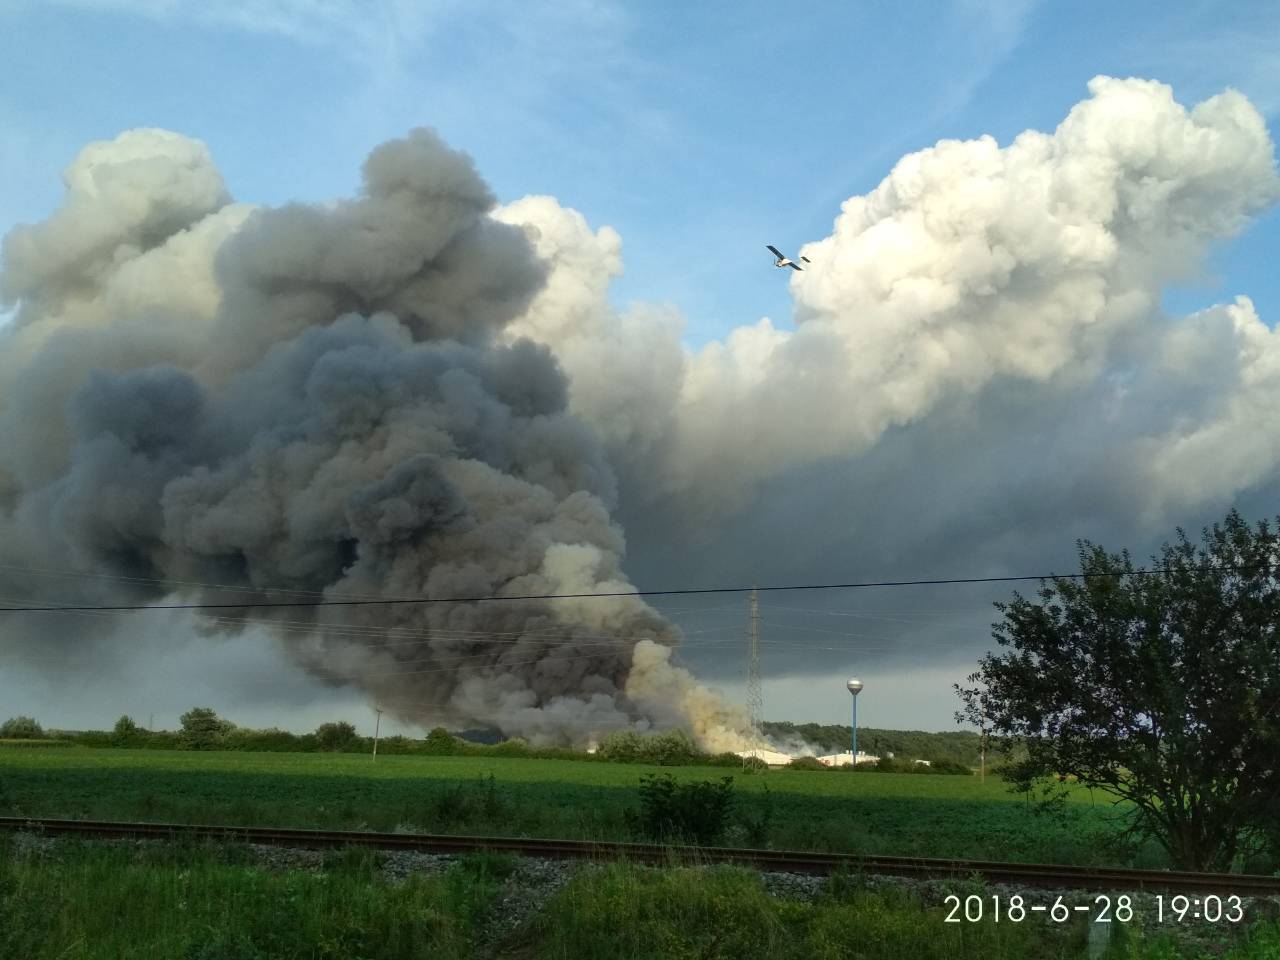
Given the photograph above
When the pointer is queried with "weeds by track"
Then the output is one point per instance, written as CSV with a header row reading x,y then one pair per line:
x,y
1029,874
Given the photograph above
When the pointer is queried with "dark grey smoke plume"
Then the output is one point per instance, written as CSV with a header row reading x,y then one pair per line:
x,y
203,400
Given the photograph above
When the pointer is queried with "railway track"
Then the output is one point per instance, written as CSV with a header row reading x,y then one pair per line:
x,y
1023,874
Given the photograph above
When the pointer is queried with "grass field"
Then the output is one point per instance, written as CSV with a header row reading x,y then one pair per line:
x,y
85,901
94,901
806,810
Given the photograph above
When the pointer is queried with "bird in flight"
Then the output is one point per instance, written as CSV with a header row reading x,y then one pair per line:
x,y
782,260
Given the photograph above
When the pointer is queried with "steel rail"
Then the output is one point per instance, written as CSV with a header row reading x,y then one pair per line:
x,y
1028,874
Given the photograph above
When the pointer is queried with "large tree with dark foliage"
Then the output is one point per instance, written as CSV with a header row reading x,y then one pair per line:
x,y
1160,687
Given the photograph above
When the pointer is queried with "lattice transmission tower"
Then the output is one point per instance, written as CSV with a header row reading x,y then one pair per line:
x,y
755,691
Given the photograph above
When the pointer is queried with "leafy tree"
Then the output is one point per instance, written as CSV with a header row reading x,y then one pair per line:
x,y
335,736
441,742
202,728
1161,689
670,748
21,728
125,730
622,746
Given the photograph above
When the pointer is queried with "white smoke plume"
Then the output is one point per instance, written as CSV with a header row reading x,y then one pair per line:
x,y
416,393
313,401
971,266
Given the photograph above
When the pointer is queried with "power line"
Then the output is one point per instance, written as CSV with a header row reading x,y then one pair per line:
x,y
388,601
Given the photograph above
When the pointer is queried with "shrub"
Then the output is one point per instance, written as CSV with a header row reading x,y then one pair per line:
x,y
726,759
398,745
515,747
21,728
950,767
758,827
807,763
270,740
335,736
682,812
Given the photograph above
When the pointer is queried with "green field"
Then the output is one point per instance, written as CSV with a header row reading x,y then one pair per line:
x,y
787,809
84,900
100,901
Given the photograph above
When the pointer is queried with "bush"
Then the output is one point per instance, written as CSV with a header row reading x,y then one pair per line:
x,y
458,803
335,736
672,812
21,728
398,745
726,759
515,747
759,827
950,767
807,763
263,741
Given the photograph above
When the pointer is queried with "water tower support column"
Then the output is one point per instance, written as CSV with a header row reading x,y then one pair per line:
x,y
855,687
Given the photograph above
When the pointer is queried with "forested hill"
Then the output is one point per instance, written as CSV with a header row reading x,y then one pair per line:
x,y
961,746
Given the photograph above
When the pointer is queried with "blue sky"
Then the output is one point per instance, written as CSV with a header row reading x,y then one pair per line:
x,y
699,131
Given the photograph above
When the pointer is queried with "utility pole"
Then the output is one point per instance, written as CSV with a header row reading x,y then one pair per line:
x,y
982,758
377,727
755,690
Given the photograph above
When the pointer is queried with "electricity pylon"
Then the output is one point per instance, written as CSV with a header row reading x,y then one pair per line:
x,y
755,692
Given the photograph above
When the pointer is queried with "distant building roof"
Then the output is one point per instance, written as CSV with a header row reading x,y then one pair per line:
x,y
842,759
772,757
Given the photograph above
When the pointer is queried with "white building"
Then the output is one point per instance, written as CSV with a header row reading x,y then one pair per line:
x,y
772,757
843,759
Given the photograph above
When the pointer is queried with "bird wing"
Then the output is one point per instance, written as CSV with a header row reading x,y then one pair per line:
x,y
806,259
776,252
794,266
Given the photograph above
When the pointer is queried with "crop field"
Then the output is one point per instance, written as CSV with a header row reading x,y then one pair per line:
x,y
877,813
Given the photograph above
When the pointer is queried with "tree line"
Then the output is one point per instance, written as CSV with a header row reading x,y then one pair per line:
x,y
956,746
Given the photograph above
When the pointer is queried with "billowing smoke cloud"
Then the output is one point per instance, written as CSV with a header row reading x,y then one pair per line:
x,y
971,268
414,393
312,401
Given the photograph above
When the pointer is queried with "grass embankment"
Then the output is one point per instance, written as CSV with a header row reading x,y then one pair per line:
x,y
622,912
184,903
93,901
786,809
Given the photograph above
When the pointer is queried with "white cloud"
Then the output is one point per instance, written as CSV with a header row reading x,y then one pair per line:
x,y
970,266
